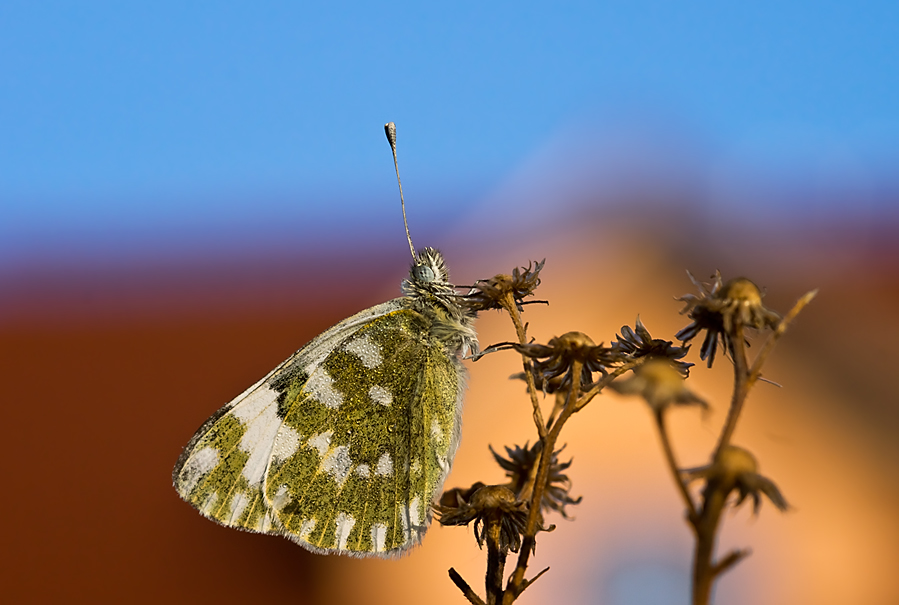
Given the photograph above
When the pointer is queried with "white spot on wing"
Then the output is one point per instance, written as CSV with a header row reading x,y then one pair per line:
x,y
365,350
208,507
363,470
436,431
337,462
321,386
249,408
385,465
238,504
404,517
265,522
414,511
282,497
443,464
319,348
380,395
200,463
321,442
378,536
345,525
306,529
410,515
259,415
286,443
416,465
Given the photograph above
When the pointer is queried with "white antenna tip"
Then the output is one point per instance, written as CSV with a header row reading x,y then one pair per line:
x,y
390,131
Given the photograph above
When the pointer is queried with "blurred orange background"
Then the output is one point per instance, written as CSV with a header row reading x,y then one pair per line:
x,y
108,373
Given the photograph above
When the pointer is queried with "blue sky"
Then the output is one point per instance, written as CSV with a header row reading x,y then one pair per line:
x,y
126,122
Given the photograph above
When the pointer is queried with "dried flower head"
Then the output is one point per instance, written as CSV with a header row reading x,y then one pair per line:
x,y
454,497
556,358
492,293
736,469
548,386
521,469
719,309
660,383
638,342
486,505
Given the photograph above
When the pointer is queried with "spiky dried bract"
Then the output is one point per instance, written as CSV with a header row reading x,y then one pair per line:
x,y
487,505
660,383
555,359
491,293
719,309
736,469
638,342
521,466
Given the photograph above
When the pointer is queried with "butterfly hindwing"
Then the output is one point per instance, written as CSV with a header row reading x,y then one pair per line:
x,y
374,429
343,447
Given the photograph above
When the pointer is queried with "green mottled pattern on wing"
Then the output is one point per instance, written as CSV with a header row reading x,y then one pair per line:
x,y
415,431
214,493
307,498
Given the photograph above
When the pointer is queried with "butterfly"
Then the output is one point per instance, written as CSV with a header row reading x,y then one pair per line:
x,y
344,446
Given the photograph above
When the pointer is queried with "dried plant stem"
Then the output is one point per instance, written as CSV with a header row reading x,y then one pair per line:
x,y
566,359
705,571
741,390
745,378
527,489
496,556
549,435
560,398
715,499
517,582
732,558
508,303
692,515
460,582
496,562
599,385
756,370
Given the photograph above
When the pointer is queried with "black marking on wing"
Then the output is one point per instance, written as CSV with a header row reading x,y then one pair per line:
x,y
281,384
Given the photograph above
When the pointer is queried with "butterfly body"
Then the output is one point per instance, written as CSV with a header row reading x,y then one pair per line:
x,y
343,447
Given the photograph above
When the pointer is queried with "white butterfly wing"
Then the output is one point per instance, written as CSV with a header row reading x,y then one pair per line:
x,y
341,448
222,468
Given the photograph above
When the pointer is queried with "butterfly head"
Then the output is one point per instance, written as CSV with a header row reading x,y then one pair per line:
x,y
429,268
429,283
429,290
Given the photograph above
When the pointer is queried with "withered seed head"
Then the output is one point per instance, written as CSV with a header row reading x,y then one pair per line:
x,y
520,467
720,309
660,383
491,293
556,358
736,469
638,342
487,505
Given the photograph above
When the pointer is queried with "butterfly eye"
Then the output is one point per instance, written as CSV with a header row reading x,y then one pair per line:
x,y
423,273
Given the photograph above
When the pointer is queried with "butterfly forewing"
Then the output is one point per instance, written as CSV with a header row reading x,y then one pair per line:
x,y
222,468
344,446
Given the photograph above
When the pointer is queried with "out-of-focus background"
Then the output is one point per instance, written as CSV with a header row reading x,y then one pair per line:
x,y
191,191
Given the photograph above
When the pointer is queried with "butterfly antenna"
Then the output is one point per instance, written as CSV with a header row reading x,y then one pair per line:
x,y
390,131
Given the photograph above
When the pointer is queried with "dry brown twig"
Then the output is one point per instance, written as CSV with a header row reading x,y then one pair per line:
x,y
507,518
